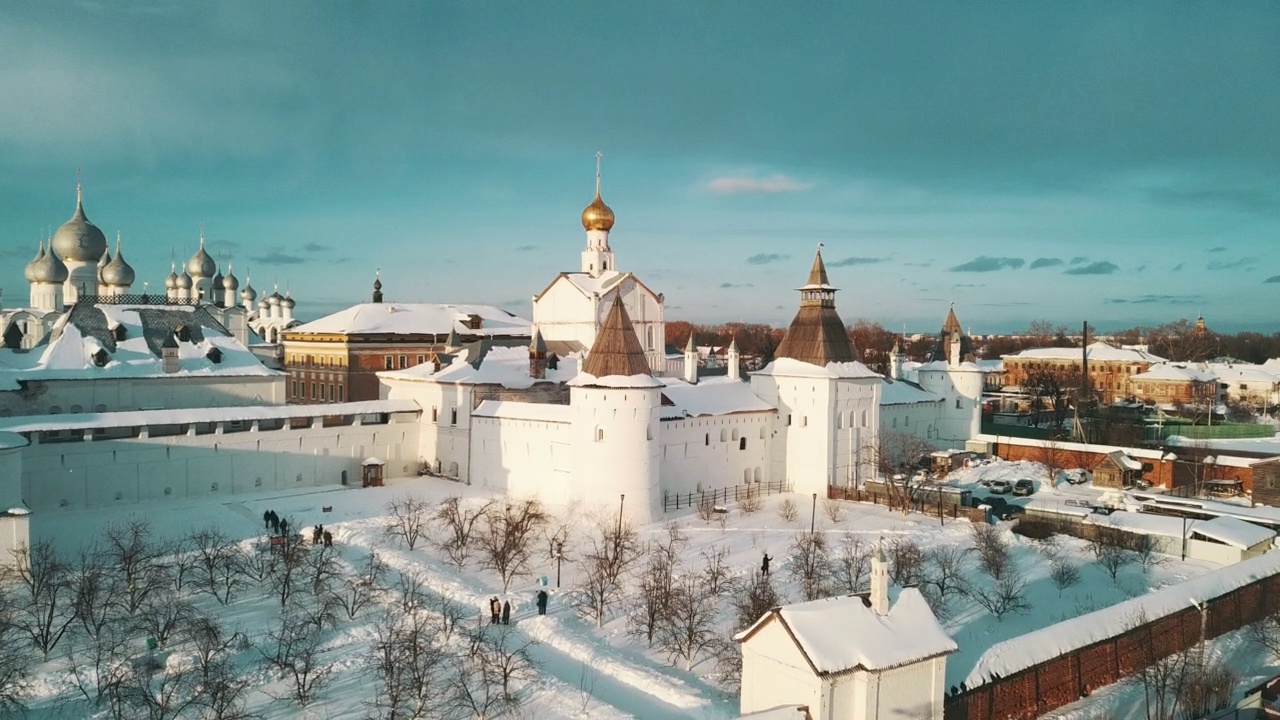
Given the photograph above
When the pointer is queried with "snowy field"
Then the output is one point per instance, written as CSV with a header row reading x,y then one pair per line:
x,y
574,669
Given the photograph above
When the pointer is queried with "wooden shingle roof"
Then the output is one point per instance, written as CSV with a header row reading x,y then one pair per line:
x,y
617,350
817,335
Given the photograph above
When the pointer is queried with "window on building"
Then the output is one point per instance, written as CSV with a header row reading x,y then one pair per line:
x,y
839,420
390,363
313,391
742,443
762,432
342,393
788,421
895,422
958,403
453,416
332,394
707,440
599,434
404,361
804,421
734,435
724,435
422,359
293,388
435,414
865,418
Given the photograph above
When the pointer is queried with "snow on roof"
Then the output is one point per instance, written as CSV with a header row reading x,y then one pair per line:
x,y
133,418
1246,372
1257,446
87,329
991,366
586,379
710,396
1125,462
790,367
1232,531
901,392
1096,351
515,410
505,366
944,366
374,461
600,284
1046,505
9,441
1140,523
417,319
1011,656
842,633
1176,373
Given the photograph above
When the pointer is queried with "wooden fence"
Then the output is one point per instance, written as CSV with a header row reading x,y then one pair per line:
x,y
717,496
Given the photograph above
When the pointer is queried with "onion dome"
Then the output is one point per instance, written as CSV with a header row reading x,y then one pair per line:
x,y
171,280
230,282
118,273
248,293
78,239
183,282
103,262
288,302
264,303
597,215
216,282
200,264
46,268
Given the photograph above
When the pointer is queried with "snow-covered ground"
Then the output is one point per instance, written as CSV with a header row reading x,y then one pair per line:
x,y
583,670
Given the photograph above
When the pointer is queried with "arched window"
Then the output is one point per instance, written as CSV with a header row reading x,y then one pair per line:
x,y
839,420
958,404
734,435
724,435
762,432
453,469
865,419
895,422
746,475
742,443
906,421
599,434
757,474
708,440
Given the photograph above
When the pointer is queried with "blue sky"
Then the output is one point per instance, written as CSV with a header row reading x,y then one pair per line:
x,y
1116,162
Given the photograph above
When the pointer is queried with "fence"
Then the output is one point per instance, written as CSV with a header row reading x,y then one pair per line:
x,y
1040,688
926,502
723,495
134,299
1224,431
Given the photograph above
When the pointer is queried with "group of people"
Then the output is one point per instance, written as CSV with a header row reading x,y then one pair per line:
x,y
276,524
319,534
500,610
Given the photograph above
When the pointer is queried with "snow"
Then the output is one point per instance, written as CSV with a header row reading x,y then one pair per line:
x,y
1142,523
505,366
782,712
898,392
1259,447
597,285
1175,373
135,418
790,367
515,410
1020,653
586,379
374,461
842,633
417,319
1232,531
710,396
10,440
1095,351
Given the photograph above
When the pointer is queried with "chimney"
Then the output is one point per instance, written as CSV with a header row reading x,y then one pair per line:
x,y
690,361
169,354
1084,363
537,356
880,581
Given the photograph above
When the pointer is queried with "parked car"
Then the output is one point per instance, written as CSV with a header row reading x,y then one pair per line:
x,y
1001,487
1024,487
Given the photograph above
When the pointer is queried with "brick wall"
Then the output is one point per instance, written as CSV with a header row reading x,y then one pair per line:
x,y
1041,688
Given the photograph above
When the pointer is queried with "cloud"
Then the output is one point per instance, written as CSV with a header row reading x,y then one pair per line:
x,y
755,186
1178,267
1045,262
967,285
526,248
1232,264
1272,279
312,247
1152,299
1140,268
986,263
845,262
1218,249
766,258
275,257
1101,267
920,264
1078,259
731,285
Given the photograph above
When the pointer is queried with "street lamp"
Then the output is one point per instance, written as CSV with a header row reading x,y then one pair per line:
x,y
559,555
620,503
813,516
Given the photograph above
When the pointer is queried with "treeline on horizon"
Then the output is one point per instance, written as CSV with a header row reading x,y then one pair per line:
x,y
1179,341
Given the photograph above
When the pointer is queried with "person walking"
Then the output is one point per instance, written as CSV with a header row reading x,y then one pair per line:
x,y
266,519
542,602
506,612
495,610
284,527
764,565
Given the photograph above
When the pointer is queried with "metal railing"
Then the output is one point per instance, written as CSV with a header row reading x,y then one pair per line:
x,y
678,501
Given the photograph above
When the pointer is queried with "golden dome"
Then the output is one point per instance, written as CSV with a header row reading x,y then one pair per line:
x,y
597,215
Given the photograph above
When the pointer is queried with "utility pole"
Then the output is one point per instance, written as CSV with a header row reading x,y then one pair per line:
x,y
813,516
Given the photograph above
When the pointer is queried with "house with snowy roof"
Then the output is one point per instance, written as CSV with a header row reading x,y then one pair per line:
x,y
1171,383
1257,385
1110,368
853,657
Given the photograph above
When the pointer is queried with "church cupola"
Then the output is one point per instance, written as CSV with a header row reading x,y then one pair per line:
x,y
537,356
817,335
377,285
597,220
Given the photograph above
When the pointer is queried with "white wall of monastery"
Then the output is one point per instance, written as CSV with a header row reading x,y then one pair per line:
x,y
445,439
960,413
107,394
105,472
710,452
775,672
524,458
616,449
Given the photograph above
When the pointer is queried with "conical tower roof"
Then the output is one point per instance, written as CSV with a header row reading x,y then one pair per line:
x,y
817,335
952,324
617,350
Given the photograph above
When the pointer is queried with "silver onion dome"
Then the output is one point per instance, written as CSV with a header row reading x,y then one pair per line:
x,y
248,293
200,264
183,282
46,268
78,239
229,282
118,273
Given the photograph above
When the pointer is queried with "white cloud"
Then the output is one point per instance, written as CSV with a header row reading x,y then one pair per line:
x,y
749,185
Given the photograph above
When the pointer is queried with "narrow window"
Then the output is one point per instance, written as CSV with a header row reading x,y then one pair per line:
x,y
957,403
435,414
742,443
390,365
404,361
453,416
342,393
599,434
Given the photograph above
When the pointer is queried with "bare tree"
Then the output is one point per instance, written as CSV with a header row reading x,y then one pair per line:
x,y
1158,674
690,623
44,600
410,664
587,679
407,519
286,563
1003,596
457,524
322,570
98,666
161,692
357,591
293,649
896,454
92,587
164,618
833,510
14,653
994,556
611,550
1111,548
906,561
506,542
1053,388
706,509
788,510
751,503
223,689
654,587
756,597
944,577
132,550
410,591
809,564
716,571
218,560
851,566
1053,456
490,677
1063,573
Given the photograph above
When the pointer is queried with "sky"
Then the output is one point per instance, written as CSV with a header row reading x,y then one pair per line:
x,y
1111,162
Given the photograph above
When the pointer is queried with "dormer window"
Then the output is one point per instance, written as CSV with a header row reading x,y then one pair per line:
x,y
214,355
119,332
100,357
183,333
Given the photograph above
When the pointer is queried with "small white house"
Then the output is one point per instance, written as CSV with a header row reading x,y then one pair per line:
x,y
1227,540
848,658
